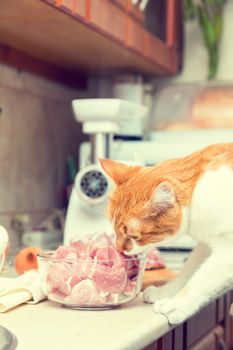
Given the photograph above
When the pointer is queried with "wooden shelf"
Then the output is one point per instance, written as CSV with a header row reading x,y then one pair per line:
x,y
73,42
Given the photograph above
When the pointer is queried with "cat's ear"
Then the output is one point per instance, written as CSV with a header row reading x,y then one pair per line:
x,y
119,172
162,198
163,194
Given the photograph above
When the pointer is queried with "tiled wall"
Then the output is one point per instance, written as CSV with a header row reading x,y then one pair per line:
x,y
37,132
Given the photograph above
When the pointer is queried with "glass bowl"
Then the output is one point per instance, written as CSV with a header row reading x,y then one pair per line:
x,y
91,284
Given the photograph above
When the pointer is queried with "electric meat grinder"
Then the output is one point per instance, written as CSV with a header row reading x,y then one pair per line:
x,y
101,118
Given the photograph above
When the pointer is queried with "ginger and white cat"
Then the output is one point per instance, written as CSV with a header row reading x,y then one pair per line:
x,y
192,195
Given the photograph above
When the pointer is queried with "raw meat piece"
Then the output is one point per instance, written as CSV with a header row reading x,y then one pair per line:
x,y
113,298
63,252
108,256
57,293
58,276
130,288
74,280
85,292
132,267
154,260
80,248
110,280
101,241
84,269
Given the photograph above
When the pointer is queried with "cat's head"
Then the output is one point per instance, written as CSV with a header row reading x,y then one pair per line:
x,y
143,208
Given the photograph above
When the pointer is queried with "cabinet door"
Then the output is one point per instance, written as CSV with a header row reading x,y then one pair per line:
x,y
178,338
221,308
228,322
212,341
200,324
207,343
151,347
164,343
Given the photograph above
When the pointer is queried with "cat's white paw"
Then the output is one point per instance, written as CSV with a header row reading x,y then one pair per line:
x,y
172,308
152,294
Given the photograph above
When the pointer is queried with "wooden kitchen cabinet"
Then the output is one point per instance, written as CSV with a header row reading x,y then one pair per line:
x,y
178,338
122,3
82,36
210,329
78,8
199,325
221,309
135,36
228,321
108,18
164,343
211,341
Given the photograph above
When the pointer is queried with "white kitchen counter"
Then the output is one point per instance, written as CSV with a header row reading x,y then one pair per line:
x,y
47,326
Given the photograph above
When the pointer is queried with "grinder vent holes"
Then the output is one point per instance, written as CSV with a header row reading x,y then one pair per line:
x,y
94,184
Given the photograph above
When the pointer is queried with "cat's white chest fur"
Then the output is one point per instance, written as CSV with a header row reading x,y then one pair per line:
x,y
211,209
209,269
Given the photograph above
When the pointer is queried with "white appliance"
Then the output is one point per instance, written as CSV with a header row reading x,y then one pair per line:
x,y
101,118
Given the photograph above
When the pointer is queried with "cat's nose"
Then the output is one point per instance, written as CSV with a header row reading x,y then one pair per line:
x,y
119,244
127,245
124,244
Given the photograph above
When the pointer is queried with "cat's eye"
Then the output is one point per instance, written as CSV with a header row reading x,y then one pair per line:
x,y
133,237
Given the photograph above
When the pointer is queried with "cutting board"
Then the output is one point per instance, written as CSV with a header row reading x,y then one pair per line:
x,y
157,277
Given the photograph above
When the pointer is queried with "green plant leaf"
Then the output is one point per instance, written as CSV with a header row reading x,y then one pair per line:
x,y
190,10
208,29
210,16
213,63
218,24
220,2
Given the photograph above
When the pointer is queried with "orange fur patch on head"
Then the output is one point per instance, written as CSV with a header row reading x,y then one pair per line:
x,y
119,172
142,211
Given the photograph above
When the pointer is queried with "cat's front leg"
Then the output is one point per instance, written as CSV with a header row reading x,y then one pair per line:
x,y
214,276
199,254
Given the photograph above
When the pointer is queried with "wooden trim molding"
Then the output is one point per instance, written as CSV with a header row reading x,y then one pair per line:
x,y
174,25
